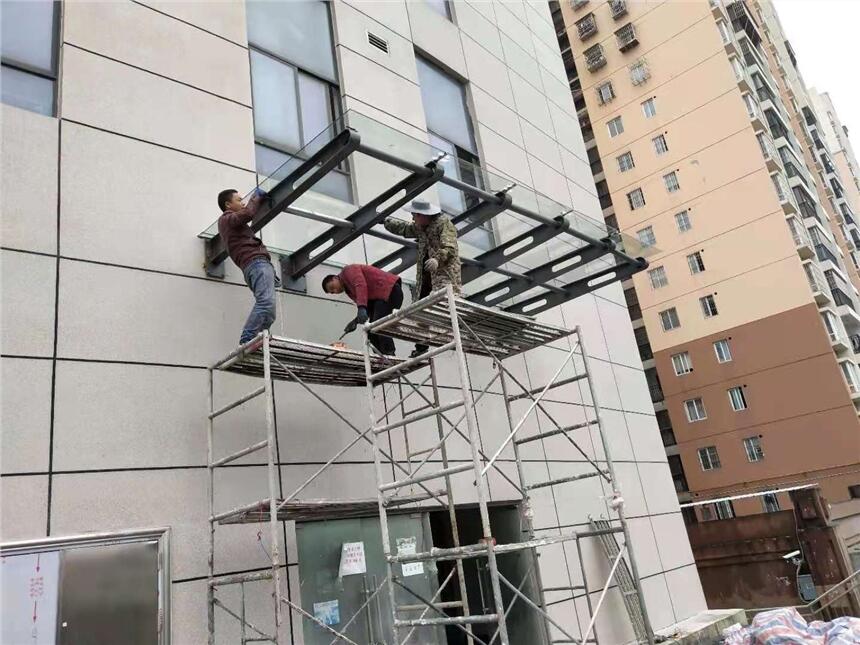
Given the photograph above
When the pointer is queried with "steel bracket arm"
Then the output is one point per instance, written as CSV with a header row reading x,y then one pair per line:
x,y
543,301
401,259
288,190
322,247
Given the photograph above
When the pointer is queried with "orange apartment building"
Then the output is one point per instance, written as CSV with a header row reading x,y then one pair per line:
x,y
706,145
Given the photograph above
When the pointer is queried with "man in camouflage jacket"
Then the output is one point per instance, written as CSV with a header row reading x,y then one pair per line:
x,y
438,261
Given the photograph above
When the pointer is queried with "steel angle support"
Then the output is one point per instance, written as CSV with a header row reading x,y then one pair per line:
x,y
288,190
543,301
402,259
362,220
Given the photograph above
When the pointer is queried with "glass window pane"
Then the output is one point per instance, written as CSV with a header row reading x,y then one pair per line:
x,y
297,31
316,107
451,200
440,6
334,184
27,33
444,101
27,91
274,90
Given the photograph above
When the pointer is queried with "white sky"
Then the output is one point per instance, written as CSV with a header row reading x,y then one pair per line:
x,y
824,36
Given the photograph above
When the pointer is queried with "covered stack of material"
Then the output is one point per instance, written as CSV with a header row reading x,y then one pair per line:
x,y
787,627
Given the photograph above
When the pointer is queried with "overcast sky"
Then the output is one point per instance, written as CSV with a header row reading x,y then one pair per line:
x,y
824,36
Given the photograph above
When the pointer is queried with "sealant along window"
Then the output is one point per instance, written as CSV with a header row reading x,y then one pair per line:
x,y
682,220
636,199
28,54
723,351
752,447
646,236
671,181
669,319
737,398
709,458
615,126
709,306
682,363
660,145
658,277
695,409
625,161
695,262
605,93
649,108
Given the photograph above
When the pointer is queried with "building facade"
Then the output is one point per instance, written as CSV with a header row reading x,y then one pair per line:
x,y
704,144
121,123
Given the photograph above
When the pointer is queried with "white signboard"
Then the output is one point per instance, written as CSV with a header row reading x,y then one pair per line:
x,y
408,546
30,598
352,559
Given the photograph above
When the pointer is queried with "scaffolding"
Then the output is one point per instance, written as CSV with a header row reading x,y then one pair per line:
x,y
450,326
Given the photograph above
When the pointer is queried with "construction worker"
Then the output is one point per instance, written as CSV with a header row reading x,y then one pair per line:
x,y
438,262
375,292
250,255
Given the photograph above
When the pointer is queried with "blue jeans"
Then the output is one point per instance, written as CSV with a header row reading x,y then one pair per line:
x,y
260,278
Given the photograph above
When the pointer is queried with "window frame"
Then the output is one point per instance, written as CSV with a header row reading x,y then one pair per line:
x,y
696,406
775,508
753,449
684,362
625,155
695,263
669,314
649,103
649,233
728,351
683,216
741,399
660,138
670,180
603,99
708,305
712,459
724,508
619,123
639,194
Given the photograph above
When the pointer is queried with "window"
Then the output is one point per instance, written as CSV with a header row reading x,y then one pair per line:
x,y
695,262
441,7
28,53
625,162
660,145
752,108
658,277
708,513
682,219
854,260
682,363
752,446
725,34
646,236
586,27
708,458
671,181
639,72
695,409
722,350
738,68
636,199
294,86
649,109
594,58
725,510
849,372
626,37
669,319
605,93
832,326
737,398
854,491
615,126
709,306
770,503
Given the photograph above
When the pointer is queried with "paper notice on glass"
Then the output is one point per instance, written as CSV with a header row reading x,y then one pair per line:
x,y
408,546
352,559
29,586
328,612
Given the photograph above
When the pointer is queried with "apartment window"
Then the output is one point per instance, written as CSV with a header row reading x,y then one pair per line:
x,y
737,398
649,108
639,72
586,27
752,446
660,145
695,262
725,34
770,503
28,54
779,187
625,162
682,363
709,459
752,108
738,68
605,93
725,510
709,306
849,372
615,126
854,491
626,37
658,277
646,236
854,259
831,325
671,181
723,351
294,86
669,319
695,410
682,220
636,199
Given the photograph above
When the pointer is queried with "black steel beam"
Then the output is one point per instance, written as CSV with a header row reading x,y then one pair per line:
x,y
400,260
288,190
322,247
543,301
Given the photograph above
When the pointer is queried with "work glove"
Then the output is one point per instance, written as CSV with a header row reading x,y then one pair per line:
x,y
431,265
350,326
362,316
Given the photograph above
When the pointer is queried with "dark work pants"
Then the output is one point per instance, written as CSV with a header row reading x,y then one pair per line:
x,y
426,288
377,309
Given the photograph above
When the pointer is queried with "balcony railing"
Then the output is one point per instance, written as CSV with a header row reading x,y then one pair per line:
x,y
808,210
586,27
824,254
594,58
626,37
808,115
815,277
841,299
618,8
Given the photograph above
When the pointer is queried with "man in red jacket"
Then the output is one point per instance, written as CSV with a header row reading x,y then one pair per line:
x,y
376,293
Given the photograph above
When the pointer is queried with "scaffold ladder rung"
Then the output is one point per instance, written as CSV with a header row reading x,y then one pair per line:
x,y
453,470
235,404
451,604
538,390
452,620
566,480
238,578
407,364
557,431
239,453
412,418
